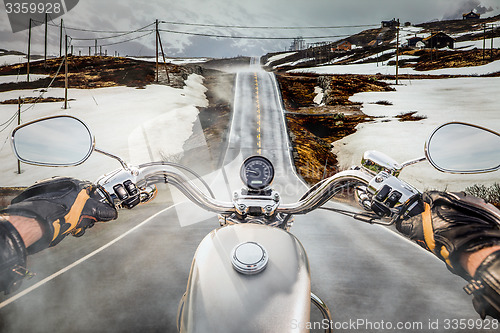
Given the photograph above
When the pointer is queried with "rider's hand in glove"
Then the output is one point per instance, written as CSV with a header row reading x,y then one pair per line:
x,y
62,206
454,226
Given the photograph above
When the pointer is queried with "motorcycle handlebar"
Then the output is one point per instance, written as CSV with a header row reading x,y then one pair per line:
x,y
318,196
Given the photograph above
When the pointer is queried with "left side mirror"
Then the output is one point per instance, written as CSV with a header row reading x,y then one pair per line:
x,y
53,141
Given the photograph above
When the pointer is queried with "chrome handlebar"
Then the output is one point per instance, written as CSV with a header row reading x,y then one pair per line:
x,y
153,173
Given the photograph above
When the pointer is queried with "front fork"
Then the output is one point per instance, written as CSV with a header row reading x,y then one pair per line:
x,y
323,308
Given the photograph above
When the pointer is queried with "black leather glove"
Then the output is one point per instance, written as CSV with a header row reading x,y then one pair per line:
x,y
453,224
12,257
485,287
62,206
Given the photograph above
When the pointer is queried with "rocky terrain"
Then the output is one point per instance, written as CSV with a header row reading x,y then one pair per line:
x,y
314,125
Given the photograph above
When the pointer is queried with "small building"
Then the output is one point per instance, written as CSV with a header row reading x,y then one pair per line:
x,y
412,42
439,40
344,46
390,24
298,44
471,16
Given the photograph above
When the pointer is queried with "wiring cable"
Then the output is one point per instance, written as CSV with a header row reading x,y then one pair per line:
x,y
246,37
268,27
115,43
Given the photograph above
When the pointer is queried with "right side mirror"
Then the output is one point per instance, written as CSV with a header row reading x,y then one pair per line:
x,y
463,148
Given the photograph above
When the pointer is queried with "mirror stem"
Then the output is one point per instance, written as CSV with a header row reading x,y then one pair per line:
x,y
414,161
122,162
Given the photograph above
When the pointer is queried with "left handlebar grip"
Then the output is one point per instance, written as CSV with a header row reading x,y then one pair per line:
x,y
101,195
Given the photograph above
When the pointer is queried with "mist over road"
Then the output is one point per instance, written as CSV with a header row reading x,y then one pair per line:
x,y
134,278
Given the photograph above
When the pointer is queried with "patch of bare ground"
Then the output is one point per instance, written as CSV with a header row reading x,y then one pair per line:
x,y
31,100
410,116
88,72
214,120
429,59
313,128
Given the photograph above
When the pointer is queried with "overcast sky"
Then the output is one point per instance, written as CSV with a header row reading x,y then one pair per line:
x,y
126,15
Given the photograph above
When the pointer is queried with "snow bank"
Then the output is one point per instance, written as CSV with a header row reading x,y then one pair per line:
x,y
472,100
21,78
139,125
372,69
278,57
10,59
477,44
175,61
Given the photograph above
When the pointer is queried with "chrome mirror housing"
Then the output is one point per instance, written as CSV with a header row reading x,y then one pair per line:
x,y
458,147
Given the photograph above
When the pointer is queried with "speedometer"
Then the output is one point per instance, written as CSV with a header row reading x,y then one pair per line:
x,y
257,172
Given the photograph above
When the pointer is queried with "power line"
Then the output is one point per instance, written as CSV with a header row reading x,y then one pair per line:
x,y
119,35
269,27
90,30
247,37
115,43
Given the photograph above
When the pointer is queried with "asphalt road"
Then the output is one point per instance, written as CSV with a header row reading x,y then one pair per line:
x,y
129,275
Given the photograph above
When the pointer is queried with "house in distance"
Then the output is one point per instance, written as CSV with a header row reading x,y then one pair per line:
x,y
439,40
471,16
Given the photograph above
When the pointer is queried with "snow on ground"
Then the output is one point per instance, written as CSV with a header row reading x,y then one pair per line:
x,y
406,33
477,44
139,125
20,78
375,56
374,68
10,59
175,61
319,95
472,100
278,57
294,63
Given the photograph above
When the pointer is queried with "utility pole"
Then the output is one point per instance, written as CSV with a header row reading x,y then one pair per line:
x,y
95,49
19,102
157,34
397,51
484,40
66,73
45,52
60,38
29,52
491,47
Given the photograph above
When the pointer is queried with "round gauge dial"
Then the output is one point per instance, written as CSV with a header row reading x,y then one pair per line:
x,y
257,172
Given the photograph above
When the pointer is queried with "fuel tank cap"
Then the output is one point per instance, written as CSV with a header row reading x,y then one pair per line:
x,y
249,258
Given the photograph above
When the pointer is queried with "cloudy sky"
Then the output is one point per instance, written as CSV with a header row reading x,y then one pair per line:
x,y
127,15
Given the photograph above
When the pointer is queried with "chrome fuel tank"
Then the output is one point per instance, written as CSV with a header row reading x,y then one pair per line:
x,y
247,278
